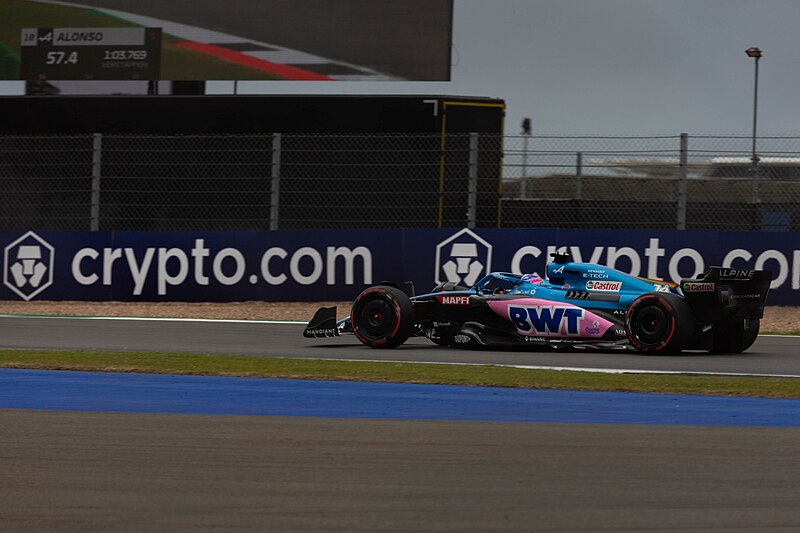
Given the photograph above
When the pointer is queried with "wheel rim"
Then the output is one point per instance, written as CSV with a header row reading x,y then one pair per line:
x,y
651,325
376,319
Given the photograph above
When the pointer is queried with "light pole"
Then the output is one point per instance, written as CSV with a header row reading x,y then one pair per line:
x,y
526,132
755,53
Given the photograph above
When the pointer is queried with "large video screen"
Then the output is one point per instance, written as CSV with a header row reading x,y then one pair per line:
x,y
344,40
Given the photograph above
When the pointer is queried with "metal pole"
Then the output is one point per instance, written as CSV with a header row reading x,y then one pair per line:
x,y
472,187
97,159
275,183
682,174
523,190
754,157
579,176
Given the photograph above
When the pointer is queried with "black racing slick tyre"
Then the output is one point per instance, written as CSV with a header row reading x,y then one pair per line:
x,y
382,317
659,323
735,336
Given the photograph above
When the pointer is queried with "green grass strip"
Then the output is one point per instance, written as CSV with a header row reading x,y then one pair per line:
x,y
252,366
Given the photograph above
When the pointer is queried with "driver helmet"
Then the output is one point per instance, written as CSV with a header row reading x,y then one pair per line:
x,y
532,278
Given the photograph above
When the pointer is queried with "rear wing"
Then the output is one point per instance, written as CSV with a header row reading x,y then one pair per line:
x,y
732,292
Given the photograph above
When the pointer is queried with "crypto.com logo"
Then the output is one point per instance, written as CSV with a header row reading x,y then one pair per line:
x,y
28,265
463,258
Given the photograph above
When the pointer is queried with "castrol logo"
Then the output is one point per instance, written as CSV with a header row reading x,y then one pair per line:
x,y
604,286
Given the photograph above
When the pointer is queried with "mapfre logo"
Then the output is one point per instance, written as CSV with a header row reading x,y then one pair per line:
x,y
445,299
28,265
463,258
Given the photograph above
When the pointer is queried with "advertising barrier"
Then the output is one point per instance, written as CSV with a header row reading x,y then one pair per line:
x,y
337,265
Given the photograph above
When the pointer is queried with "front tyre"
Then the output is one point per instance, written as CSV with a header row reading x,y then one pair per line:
x,y
382,317
659,323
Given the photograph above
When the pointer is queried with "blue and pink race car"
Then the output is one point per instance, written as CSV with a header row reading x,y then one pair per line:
x,y
578,304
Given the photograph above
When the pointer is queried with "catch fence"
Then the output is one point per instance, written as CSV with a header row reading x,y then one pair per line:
x,y
290,181
680,182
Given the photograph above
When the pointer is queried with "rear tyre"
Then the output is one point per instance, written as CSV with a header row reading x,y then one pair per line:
x,y
659,323
735,336
382,317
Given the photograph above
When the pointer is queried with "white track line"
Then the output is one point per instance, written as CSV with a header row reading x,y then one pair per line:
x,y
566,368
522,367
159,319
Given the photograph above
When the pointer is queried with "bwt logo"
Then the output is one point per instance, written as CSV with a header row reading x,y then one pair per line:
x,y
549,320
28,265
463,258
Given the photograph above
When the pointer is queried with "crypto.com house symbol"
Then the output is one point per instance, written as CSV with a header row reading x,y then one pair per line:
x,y
463,258
28,265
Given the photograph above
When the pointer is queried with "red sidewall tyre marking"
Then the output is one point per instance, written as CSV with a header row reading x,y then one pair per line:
x,y
398,319
672,326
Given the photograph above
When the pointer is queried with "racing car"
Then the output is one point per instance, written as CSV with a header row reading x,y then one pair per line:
x,y
577,305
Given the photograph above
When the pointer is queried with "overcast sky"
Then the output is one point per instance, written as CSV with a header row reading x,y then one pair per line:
x,y
616,67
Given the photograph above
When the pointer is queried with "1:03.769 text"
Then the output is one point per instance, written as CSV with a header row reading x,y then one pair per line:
x,y
123,55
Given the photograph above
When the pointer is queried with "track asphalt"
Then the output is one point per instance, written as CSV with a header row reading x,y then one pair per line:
x,y
66,471
131,452
768,356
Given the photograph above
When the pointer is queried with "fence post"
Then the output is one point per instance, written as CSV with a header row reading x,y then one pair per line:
x,y
523,190
472,188
579,176
682,174
275,183
755,194
97,163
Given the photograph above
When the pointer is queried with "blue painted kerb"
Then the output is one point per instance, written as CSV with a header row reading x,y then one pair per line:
x,y
147,393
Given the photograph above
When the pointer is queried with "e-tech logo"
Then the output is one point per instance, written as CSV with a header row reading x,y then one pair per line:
x,y
28,265
463,258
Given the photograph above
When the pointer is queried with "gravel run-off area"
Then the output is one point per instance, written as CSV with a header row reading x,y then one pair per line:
x,y
776,319
227,310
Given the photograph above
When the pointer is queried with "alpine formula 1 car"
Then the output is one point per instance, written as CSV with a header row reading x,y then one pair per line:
x,y
579,304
